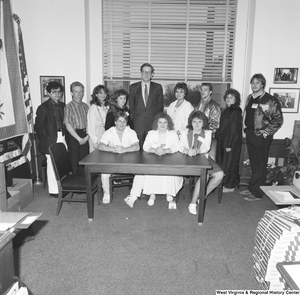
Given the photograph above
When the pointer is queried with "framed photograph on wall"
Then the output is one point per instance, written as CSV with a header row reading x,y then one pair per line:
x,y
44,80
288,97
285,75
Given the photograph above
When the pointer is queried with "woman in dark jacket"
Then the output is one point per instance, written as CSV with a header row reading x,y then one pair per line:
x,y
119,105
229,140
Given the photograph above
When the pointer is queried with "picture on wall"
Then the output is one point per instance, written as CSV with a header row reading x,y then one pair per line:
x,y
44,80
288,97
285,75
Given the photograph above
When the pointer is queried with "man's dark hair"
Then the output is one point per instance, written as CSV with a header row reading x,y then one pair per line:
x,y
209,85
54,85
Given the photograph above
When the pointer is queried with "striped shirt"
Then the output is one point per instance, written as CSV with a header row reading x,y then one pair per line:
x,y
76,114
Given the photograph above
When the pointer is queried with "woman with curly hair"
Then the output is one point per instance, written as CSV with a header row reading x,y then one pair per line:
x,y
229,140
196,139
162,140
180,109
97,115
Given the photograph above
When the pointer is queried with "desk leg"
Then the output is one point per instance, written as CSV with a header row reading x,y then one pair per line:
x,y
90,205
202,196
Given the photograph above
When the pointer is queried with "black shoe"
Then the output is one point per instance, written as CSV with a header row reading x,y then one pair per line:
x,y
54,195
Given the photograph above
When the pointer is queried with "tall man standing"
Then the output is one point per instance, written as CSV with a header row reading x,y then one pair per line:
x,y
76,123
263,117
209,107
49,128
145,102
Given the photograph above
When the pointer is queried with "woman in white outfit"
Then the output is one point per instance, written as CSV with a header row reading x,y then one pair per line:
x,y
180,109
97,115
118,139
161,140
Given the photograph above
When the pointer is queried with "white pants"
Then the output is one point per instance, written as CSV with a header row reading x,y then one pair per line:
x,y
137,186
51,179
105,183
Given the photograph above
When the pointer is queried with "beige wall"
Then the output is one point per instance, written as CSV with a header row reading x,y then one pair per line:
x,y
63,37
267,38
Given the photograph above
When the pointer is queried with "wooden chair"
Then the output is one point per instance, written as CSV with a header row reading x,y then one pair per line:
x,y
119,180
69,183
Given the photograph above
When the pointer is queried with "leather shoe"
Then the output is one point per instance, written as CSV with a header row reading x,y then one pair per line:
x,y
251,198
54,195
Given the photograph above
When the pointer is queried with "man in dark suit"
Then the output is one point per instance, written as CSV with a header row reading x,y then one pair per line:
x,y
50,129
145,101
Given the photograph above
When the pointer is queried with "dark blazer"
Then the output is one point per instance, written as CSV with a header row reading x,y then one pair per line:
x,y
45,125
143,115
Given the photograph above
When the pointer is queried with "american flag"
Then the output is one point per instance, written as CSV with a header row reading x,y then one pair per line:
x,y
26,142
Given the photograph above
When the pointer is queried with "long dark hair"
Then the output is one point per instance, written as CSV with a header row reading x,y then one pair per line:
x,y
97,90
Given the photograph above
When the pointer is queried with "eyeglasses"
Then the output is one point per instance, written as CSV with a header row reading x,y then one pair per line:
x,y
147,72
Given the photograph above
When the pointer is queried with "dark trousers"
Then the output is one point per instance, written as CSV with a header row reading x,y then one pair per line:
x,y
76,151
258,150
141,138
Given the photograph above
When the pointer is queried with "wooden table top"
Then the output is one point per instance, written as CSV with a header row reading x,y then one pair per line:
x,y
144,163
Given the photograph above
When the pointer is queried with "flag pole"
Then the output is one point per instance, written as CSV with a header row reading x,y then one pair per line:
x,y
37,180
27,100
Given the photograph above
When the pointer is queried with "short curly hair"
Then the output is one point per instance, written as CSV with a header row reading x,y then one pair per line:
x,y
234,93
199,115
162,115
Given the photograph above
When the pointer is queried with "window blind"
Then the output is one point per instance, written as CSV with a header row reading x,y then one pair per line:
x,y
185,40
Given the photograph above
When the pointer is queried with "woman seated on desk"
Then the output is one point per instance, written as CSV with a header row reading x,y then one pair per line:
x,y
118,139
161,140
196,139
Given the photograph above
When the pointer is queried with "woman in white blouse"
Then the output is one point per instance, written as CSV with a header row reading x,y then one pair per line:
x,y
97,115
162,140
196,139
180,109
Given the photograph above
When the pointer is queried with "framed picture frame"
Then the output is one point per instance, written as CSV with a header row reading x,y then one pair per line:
x,y
44,80
285,75
288,97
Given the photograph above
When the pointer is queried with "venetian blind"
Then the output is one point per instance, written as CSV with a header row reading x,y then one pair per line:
x,y
185,40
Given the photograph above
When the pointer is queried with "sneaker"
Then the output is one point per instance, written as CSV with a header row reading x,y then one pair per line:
x,y
245,192
251,198
169,198
151,200
228,190
106,199
129,200
172,205
193,209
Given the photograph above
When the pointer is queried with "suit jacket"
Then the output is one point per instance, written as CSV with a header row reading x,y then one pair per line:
x,y
143,115
45,125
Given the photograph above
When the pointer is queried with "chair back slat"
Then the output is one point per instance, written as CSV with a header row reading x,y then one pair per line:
x,y
60,160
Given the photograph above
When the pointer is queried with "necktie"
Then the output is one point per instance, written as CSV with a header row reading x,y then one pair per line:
x,y
146,94
196,141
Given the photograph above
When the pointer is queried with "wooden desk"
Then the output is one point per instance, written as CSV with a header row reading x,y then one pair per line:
x,y
144,163
273,192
